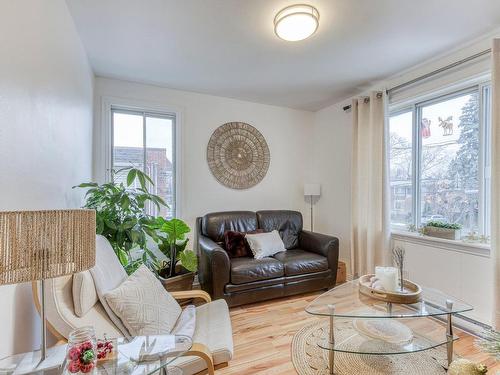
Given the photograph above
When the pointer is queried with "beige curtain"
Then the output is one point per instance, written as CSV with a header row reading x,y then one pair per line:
x,y
370,194
495,181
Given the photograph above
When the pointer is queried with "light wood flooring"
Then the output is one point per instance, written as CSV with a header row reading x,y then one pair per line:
x,y
263,333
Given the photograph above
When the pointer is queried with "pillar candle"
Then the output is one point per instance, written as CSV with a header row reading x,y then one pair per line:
x,y
388,277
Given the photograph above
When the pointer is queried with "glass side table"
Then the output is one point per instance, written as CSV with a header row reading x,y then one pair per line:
x,y
380,328
140,355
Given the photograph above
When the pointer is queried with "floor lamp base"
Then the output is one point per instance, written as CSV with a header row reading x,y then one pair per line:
x,y
29,363
40,360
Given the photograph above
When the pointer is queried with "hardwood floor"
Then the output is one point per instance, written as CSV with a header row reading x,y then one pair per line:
x,y
263,333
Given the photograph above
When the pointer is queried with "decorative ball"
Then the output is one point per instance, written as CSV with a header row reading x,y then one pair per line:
x,y
466,367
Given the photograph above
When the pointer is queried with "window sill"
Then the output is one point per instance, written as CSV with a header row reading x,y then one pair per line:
x,y
478,249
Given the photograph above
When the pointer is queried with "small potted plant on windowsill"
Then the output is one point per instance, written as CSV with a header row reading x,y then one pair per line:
x,y
177,270
440,229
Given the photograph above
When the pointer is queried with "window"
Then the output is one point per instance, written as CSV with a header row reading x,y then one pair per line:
x,y
439,161
146,141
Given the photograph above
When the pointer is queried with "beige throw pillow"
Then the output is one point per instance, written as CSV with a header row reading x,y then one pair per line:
x,y
84,293
143,304
265,244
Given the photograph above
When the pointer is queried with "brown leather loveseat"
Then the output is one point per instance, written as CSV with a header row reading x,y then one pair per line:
x,y
310,262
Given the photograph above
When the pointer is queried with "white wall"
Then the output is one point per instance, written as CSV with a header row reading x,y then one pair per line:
x,y
462,274
45,132
466,276
331,167
286,131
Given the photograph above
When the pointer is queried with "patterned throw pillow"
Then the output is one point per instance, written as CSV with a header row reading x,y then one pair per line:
x,y
143,304
236,245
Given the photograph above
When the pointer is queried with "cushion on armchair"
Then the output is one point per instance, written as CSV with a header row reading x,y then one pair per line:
x,y
84,293
186,323
143,305
108,274
213,329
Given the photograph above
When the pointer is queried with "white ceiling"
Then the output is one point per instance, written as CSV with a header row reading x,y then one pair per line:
x,y
228,47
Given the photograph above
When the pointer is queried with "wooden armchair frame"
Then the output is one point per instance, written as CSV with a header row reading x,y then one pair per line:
x,y
197,350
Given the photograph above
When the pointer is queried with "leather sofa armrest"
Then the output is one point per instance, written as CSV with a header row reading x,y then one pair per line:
x,y
215,267
321,244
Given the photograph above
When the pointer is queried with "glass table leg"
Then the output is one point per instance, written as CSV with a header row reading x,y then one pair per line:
x,y
449,332
331,352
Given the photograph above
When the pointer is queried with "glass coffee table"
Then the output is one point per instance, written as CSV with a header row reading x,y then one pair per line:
x,y
360,324
140,355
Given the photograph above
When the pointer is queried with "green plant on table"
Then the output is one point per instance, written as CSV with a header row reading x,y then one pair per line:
x,y
172,242
121,216
442,224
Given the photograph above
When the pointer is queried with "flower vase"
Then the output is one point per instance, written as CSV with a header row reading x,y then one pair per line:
x,y
81,354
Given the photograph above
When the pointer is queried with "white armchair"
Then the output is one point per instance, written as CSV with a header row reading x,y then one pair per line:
x,y
213,342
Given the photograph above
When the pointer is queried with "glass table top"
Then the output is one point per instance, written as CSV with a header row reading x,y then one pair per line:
x,y
387,337
140,355
346,301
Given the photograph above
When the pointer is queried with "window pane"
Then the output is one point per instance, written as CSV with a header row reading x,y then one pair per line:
x,y
127,143
401,139
159,161
450,161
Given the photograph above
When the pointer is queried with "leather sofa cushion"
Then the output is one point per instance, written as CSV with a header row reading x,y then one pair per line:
x,y
299,262
246,270
287,223
214,225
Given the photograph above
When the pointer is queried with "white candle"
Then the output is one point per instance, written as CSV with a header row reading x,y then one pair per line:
x,y
388,277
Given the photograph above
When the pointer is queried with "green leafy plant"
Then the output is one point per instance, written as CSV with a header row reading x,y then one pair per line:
x,y
120,214
442,224
172,242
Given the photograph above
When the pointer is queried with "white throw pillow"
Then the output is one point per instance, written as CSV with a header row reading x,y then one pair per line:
x,y
143,304
186,323
108,274
84,293
265,244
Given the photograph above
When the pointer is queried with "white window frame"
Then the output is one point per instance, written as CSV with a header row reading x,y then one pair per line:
x,y
415,106
104,139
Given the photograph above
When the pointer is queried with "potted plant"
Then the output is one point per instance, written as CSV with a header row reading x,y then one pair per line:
x,y
176,271
449,231
120,214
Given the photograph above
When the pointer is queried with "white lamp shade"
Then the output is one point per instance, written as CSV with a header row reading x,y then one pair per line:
x,y
312,190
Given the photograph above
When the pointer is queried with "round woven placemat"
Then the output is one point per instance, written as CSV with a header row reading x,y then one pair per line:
x,y
309,359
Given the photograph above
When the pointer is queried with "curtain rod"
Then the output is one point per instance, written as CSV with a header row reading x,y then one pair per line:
x,y
433,73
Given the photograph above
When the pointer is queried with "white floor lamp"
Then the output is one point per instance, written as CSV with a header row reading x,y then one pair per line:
x,y
312,190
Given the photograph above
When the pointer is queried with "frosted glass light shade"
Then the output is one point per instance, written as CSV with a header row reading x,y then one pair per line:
x,y
312,190
296,22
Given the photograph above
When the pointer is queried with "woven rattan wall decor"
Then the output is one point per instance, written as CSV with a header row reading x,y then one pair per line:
x,y
238,155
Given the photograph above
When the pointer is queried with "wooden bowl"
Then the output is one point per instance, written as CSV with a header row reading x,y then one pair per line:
x,y
412,292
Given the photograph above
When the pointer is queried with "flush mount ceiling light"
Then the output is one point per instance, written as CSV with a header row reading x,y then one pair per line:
x,y
296,22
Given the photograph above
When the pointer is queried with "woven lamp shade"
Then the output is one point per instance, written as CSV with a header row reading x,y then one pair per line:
x,y
39,245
